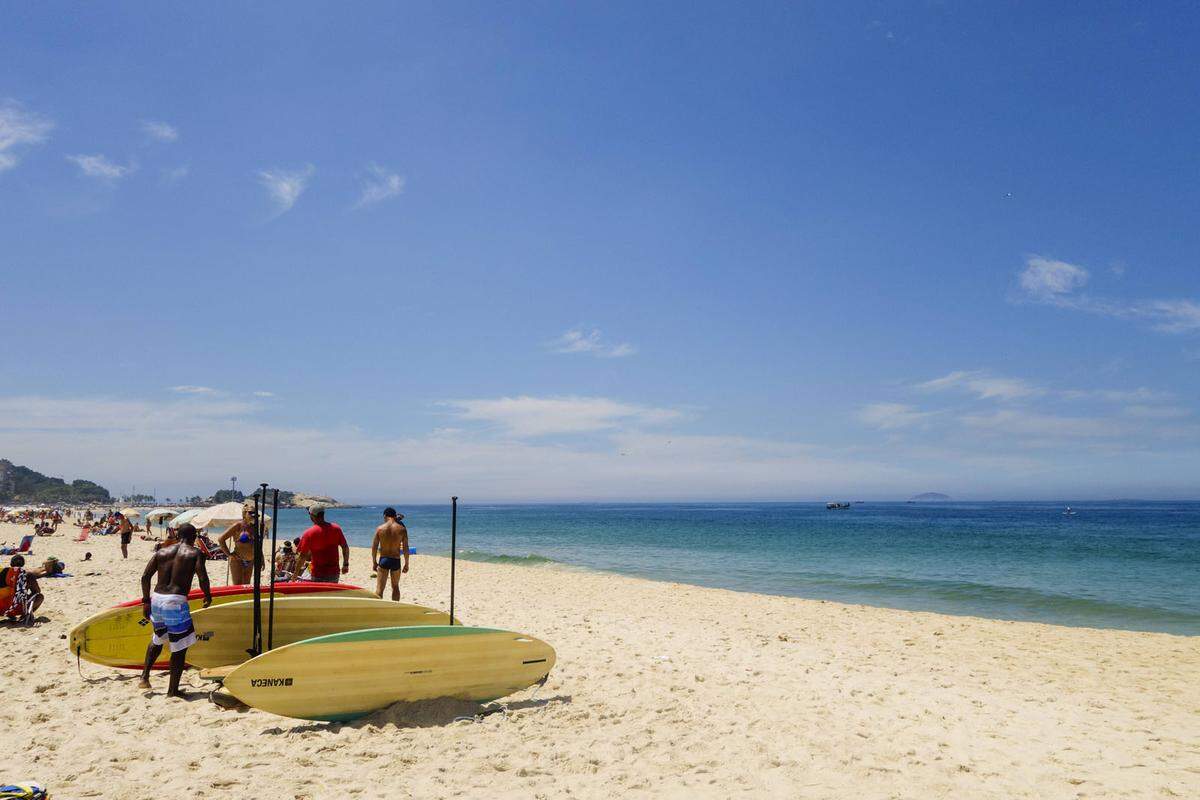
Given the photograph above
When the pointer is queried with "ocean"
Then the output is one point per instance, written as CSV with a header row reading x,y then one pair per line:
x,y
1131,565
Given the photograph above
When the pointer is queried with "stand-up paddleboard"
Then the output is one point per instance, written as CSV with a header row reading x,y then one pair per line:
x,y
118,637
349,675
222,632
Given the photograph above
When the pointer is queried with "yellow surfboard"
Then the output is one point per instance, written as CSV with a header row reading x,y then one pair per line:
x,y
348,675
118,636
223,632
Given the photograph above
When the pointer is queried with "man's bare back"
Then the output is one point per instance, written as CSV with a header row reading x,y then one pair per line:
x,y
389,552
176,565
393,539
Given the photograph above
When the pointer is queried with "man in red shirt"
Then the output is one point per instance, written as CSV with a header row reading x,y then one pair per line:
x,y
319,546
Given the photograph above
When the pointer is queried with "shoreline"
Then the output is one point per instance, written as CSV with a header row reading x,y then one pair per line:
x,y
661,689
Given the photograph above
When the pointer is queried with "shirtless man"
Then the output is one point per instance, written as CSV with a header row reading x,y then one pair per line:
x,y
241,556
391,542
126,530
167,608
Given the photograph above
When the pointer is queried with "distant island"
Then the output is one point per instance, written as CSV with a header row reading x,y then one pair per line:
x,y
928,497
24,485
287,499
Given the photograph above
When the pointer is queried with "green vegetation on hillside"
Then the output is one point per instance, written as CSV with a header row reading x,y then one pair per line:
x,y
23,485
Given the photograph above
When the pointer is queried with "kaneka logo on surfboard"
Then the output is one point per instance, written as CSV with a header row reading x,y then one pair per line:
x,y
204,637
270,682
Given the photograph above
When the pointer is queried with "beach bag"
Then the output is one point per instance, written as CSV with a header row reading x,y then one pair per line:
x,y
23,791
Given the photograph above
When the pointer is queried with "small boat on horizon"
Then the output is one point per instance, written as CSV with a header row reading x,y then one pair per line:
x,y
836,506
1070,512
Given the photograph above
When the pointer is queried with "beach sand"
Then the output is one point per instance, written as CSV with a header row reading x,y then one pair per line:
x,y
661,690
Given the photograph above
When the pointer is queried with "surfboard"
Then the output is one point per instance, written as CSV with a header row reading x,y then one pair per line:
x,y
223,632
348,675
118,637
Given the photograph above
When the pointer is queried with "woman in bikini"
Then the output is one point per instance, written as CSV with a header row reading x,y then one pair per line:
x,y
241,555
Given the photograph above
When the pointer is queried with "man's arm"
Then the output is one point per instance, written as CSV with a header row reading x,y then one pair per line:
x,y
147,574
202,577
375,550
404,546
345,556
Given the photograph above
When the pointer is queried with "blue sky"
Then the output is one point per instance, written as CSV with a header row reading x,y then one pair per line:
x,y
603,251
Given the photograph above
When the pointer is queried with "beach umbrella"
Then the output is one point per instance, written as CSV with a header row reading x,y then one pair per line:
x,y
224,514
130,512
186,516
161,513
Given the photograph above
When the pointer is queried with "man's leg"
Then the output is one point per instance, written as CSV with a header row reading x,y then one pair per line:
x,y
396,585
124,547
380,581
177,662
152,652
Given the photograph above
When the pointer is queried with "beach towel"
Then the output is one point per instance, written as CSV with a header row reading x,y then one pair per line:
x,y
23,791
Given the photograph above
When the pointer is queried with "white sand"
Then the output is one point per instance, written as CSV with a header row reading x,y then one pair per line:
x,y
661,690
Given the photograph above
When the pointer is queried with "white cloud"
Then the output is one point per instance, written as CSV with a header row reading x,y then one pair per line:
x,y
1050,281
193,390
98,166
160,131
1057,283
19,128
286,186
984,386
892,416
379,185
112,441
577,340
526,416
264,394
1171,316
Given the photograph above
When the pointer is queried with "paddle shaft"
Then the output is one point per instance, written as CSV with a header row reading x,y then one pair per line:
x,y
274,535
453,549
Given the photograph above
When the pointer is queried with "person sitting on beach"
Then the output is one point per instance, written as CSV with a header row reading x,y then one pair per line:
x,y
167,607
10,578
390,544
320,544
241,555
285,564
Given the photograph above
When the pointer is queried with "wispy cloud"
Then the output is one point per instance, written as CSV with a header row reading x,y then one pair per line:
x,y
160,131
111,440
578,340
264,394
98,166
379,185
526,416
892,416
185,389
286,186
1057,283
984,386
19,128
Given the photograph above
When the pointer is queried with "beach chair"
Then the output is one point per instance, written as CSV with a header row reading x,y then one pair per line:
x,y
83,535
26,546
210,549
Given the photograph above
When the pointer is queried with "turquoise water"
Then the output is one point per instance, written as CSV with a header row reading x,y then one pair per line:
x,y
1128,565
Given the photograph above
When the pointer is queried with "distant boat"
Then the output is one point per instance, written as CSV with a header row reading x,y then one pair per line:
x,y
1070,512
836,506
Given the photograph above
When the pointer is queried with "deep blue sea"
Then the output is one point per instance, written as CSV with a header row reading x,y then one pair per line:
x,y
1133,565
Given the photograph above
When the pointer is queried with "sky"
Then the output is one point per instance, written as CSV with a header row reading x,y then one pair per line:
x,y
603,251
